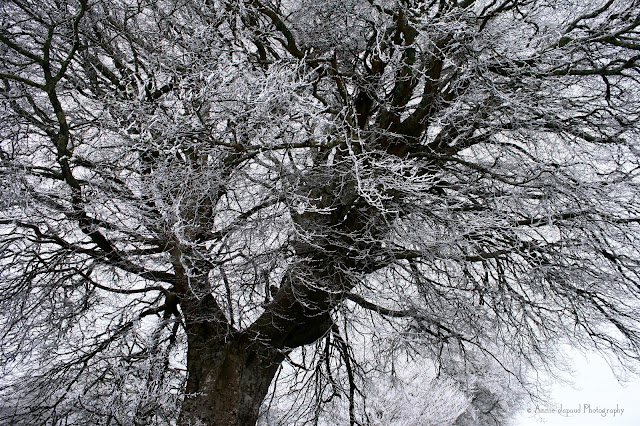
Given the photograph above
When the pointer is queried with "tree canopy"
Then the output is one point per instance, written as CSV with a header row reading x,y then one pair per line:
x,y
219,211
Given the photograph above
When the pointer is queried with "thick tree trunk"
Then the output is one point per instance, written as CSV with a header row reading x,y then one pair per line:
x,y
230,371
227,384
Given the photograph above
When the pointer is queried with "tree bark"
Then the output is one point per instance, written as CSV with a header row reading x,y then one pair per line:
x,y
228,383
229,371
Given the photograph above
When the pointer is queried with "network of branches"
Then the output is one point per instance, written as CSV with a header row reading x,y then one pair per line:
x,y
341,189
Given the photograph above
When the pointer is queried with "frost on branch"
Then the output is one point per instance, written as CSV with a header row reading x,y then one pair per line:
x,y
224,212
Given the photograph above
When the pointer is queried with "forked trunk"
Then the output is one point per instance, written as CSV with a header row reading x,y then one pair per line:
x,y
229,371
227,384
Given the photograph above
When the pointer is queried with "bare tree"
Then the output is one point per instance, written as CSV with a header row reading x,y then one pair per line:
x,y
196,193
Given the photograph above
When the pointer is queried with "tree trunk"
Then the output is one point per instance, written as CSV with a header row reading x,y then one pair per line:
x,y
229,371
227,384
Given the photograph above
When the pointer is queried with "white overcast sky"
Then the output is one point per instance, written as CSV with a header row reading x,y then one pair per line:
x,y
594,385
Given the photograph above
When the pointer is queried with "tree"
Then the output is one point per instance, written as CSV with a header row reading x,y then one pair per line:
x,y
205,200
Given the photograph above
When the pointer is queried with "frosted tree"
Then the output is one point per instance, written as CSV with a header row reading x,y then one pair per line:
x,y
209,206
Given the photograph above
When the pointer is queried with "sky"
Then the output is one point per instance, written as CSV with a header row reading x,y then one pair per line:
x,y
595,390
